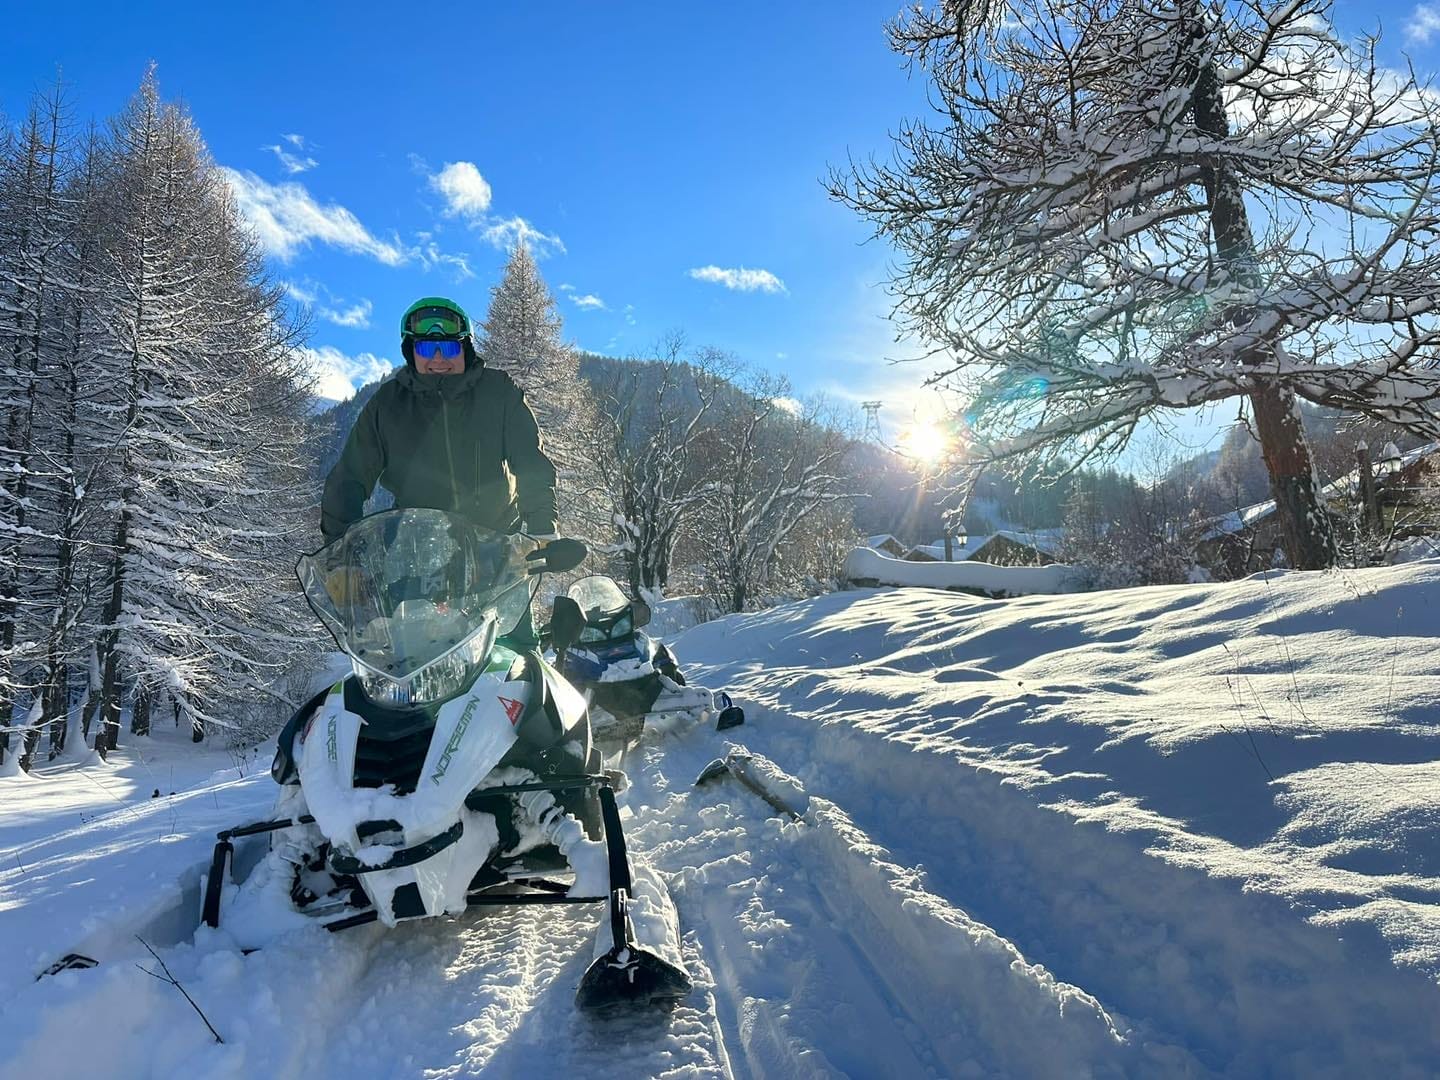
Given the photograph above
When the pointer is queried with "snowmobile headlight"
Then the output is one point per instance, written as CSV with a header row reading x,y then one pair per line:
x,y
443,677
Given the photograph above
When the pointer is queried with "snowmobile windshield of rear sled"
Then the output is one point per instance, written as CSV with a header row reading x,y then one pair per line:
x,y
607,609
406,590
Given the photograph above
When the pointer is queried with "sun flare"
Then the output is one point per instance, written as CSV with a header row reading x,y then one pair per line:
x,y
925,441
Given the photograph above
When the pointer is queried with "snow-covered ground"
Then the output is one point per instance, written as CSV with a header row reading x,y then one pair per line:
x,y
1177,831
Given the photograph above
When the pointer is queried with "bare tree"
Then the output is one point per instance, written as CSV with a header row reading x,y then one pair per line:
x,y
648,452
775,462
1079,231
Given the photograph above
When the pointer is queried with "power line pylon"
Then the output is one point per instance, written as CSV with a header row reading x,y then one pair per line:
x,y
872,422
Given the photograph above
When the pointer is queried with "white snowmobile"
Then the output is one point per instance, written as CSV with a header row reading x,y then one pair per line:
x,y
629,678
453,767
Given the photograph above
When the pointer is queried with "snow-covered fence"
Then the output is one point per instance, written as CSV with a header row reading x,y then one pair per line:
x,y
867,567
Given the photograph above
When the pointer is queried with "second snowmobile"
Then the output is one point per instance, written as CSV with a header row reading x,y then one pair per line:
x,y
452,768
628,677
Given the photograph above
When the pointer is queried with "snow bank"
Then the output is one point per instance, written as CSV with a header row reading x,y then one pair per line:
x,y
864,566
1211,807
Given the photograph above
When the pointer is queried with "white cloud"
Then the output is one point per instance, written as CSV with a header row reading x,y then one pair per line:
x,y
629,314
356,316
589,302
291,163
337,376
302,294
516,230
331,308
740,280
297,141
1423,25
567,288
431,256
467,193
286,219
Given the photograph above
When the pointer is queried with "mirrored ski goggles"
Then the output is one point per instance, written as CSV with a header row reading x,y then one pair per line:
x,y
443,350
435,320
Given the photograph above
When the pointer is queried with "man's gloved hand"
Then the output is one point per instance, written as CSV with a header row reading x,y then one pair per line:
x,y
535,557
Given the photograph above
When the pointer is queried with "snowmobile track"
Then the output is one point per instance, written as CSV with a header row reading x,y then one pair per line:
x,y
836,961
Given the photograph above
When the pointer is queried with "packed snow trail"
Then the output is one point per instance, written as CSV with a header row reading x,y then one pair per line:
x,y
836,961
810,958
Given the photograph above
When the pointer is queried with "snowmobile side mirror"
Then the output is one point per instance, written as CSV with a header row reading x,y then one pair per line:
x,y
557,556
639,614
566,623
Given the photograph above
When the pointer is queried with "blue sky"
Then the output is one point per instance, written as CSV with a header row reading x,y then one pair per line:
x,y
665,159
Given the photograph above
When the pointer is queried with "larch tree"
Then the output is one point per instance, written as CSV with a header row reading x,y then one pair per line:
x,y
156,457
191,330
1131,206
34,270
523,336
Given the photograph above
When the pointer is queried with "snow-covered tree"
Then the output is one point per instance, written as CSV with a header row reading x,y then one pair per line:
x,y
523,337
36,269
1137,205
195,363
772,465
156,455
647,449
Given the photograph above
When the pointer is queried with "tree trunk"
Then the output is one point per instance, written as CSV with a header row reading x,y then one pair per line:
x,y
92,690
1306,529
106,647
140,713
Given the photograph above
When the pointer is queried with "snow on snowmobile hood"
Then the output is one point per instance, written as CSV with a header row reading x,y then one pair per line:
x,y
409,592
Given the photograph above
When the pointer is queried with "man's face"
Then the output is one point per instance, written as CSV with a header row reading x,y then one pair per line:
x,y
439,357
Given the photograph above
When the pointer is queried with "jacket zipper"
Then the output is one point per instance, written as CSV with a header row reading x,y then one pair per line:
x,y
450,455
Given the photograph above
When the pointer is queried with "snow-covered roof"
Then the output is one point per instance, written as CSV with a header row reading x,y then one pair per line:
x,y
1237,520
1047,541
958,552
866,564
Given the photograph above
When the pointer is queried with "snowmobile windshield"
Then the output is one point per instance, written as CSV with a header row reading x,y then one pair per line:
x,y
606,608
598,597
406,589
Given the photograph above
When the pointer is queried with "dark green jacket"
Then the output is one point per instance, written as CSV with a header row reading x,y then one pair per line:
x,y
464,442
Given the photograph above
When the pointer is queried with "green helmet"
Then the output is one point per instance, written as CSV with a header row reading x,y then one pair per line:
x,y
434,317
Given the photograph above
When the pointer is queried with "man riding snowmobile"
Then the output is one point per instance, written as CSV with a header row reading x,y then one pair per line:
x,y
446,432
453,767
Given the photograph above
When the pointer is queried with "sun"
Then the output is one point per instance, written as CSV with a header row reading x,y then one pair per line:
x,y
925,441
